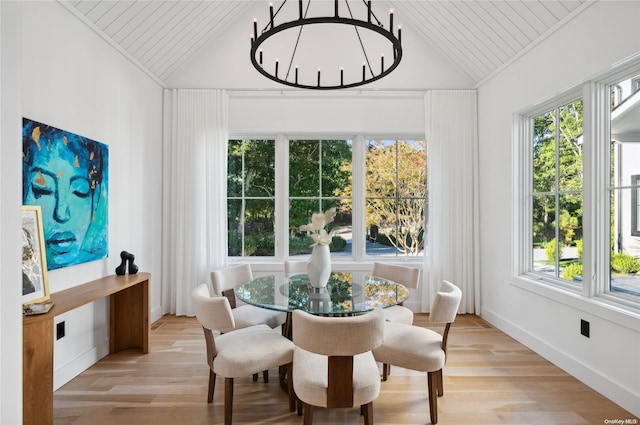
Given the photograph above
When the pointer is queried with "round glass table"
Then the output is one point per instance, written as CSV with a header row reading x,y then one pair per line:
x,y
347,293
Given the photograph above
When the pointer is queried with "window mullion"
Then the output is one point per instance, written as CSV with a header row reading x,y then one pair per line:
x,y
282,198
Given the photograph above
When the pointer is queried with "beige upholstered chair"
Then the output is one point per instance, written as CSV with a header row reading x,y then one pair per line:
x,y
422,349
225,280
295,266
333,365
407,276
236,353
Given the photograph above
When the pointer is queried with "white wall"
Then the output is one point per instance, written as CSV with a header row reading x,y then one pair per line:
x,y
74,80
10,188
549,321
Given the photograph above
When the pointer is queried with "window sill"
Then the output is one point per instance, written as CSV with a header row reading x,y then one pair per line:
x,y
601,306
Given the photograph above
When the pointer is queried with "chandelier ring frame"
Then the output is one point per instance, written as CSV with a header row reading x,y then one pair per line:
x,y
396,44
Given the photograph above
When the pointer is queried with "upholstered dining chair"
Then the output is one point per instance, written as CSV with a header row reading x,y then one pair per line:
x,y
225,280
295,266
407,276
232,353
333,366
421,349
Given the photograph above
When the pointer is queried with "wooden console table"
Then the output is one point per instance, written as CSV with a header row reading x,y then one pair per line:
x,y
128,328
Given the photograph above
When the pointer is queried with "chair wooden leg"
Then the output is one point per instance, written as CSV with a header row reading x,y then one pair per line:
x,y
433,399
212,385
255,377
386,368
307,419
368,413
265,376
228,400
440,386
290,391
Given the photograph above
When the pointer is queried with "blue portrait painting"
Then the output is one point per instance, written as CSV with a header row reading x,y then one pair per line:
x,y
67,176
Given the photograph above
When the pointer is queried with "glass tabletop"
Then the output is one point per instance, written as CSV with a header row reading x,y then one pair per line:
x,y
346,293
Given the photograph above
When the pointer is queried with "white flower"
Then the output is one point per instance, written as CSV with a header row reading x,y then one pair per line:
x,y
317,227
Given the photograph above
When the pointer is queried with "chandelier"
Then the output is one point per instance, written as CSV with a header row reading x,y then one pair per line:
x,y
365,30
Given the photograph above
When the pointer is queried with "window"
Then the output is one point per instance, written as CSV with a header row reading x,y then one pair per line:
x,y
378,188
556,199
624,163
396,191
251,197
319,177
560,184
635,205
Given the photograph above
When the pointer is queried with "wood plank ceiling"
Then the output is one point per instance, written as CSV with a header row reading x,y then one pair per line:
x,y
480,37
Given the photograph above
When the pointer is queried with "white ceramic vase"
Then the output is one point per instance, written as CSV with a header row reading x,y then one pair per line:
x,y
319,266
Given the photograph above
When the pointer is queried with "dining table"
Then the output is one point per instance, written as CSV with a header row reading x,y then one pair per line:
x,y
346,294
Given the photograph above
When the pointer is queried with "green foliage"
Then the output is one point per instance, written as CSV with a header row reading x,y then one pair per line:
x,y
550,250
573,269
337,244
579,246
625,263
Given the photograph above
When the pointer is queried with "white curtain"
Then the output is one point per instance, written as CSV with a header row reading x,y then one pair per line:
x,y
194,193
451,133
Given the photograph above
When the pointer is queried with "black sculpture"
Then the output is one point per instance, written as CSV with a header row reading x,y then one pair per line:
x,y
122,268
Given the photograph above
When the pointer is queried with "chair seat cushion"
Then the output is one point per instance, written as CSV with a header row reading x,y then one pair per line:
x,y
246,351
411,347
398,314
248,315
310,378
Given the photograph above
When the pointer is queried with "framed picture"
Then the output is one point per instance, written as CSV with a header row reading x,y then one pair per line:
x,y
35,284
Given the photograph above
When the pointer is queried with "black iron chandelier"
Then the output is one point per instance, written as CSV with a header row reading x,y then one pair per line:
x,y
312,79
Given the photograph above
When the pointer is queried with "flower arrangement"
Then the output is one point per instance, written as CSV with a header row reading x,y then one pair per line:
x,y
317,227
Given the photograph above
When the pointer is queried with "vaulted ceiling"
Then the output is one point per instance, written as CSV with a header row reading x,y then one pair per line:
x,y
480,37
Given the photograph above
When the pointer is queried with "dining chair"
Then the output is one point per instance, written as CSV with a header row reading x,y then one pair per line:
x,y
333,366
404,275
422,349
232,352
224,282
295,266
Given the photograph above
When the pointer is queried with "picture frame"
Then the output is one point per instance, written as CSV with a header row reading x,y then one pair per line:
x,y
35,282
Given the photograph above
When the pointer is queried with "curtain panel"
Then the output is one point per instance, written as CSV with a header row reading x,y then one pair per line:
x,y
452,236
194,193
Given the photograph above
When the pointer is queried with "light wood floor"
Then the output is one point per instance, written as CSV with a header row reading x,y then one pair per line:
x,y
489,379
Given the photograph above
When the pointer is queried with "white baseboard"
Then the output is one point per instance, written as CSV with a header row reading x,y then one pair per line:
x,y
592,378
76,366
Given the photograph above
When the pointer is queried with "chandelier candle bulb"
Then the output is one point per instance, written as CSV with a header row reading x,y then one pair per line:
x,y
382,63
296,75
391,21
369,11
255,29
318,77
271,14
261,57
276,68
399,33
342,76
300,8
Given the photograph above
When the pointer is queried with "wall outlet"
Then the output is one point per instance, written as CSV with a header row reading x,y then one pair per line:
x,y
60,330
584,328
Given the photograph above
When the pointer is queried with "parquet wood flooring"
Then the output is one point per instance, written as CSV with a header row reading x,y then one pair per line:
x,y
489,379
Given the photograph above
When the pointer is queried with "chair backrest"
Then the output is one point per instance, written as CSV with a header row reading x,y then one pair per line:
x,y
226,279
445,304
338,336
407,276
213,313
295,266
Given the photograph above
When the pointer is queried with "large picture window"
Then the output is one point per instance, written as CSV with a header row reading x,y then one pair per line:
x,y
378,188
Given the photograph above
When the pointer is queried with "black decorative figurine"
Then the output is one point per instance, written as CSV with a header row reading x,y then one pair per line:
x,y
122,268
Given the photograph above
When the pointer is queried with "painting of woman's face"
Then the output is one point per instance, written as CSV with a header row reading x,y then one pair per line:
x,y
65,175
